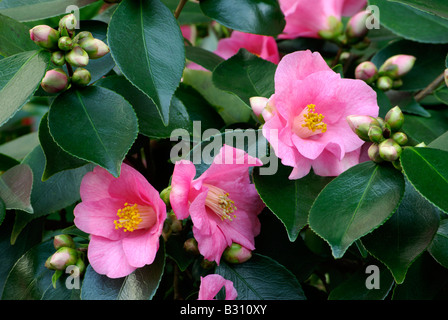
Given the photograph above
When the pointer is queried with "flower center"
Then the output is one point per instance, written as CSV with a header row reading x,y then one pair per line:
x,y
309,123
219,202
134,217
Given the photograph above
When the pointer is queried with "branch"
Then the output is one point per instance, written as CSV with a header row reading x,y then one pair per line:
x,y
179,8
430,88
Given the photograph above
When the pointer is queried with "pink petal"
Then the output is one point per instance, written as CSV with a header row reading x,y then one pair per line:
x,y
351,7
93,184
140,247
329,165
212,284
183,175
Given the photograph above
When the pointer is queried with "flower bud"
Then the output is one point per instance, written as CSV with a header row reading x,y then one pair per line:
x,y
400,138
65,43
446,76
356,26
374,153
77,57
63,240
262,107
95,48
45,36
389,150
397,66
83,35
55,81
67,24
191,246
375,134
63,258
81,265
361,124
58,58
395,118
384,83
335,29
366,71
165,195
81,77
236,253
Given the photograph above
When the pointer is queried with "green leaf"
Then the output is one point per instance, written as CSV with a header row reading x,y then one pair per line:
x,y
56,159
289,200
415,25
203,57
355,203
251,282
142,284
2,211
427,170
6,162
14,37
152,57
245,75
422,129
15,188
20,76
436,7
439,245
440,143
29,10
21,146
252,16
403,237
442,94
102,119
191,12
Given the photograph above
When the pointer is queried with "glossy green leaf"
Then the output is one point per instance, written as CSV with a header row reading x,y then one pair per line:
x,y
422,129
56,159
289,200
7,162
442,94
103,120
251,282
191,12
245,75
28,10
402,238
21,146
151,55
439,245
436,7
440,143
203,57
14,37
418,25
141,284
355,203
2,211
15,188
427,170
252,16
20,76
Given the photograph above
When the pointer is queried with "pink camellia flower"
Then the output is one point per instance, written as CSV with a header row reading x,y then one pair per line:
x,y
307,124
124,217
212,284
222,203
306,19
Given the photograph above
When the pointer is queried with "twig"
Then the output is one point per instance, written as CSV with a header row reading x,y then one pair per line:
x,y
179,8
430,88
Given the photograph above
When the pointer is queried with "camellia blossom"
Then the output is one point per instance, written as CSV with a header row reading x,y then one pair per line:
x,y
306,19
306,117
124,217
222,203
212,284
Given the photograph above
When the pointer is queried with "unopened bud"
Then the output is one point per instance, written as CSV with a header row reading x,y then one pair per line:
x,y
375,134
63,258
82,35
67,24
55,81
384,83
191,246
77,57
45,36
397,66
335,29
81,77
95,48
446,77
58,58
374,153
63,240
165,195
395,118
389,150
65,43
400,138
356,26
366,71
361,125
81,265
397,83
236,254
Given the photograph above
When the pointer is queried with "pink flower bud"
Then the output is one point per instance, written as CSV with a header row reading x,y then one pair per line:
x,y
366,71
77,57
262,107
95,48
63,240
45,36
356,27
389,150
385,83
81,77
361,125
397,66
63,257
237,254
55,81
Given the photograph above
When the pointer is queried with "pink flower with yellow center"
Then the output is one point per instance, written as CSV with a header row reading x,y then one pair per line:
x,y
222,203
124,217
212,284
306,117
306,18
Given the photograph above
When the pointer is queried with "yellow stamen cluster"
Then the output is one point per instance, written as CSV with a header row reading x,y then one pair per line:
x,y
220,203
129,218
313,121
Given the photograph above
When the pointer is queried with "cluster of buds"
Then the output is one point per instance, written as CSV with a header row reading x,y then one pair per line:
x,y
68,49
387,140
389,75
66,255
